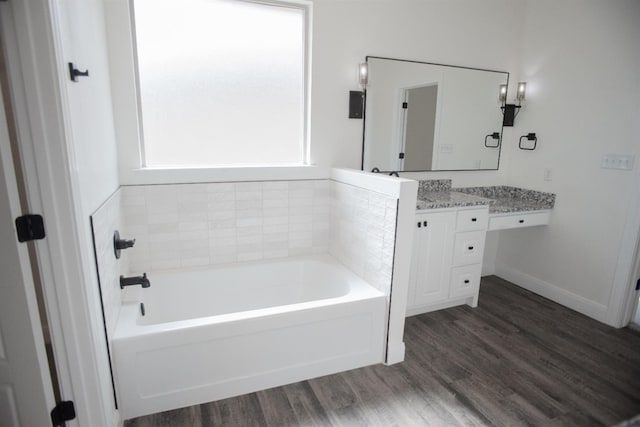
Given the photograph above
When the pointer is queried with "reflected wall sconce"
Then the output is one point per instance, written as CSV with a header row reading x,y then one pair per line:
x,y
363,75
529,137
356,98
510,111
494,136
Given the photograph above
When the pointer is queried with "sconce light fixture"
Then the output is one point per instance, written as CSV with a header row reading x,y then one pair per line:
x,y
510,111
363,75
356,98
529,137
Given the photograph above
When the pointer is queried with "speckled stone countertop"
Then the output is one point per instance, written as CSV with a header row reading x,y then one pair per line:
x,y
437,194
512,199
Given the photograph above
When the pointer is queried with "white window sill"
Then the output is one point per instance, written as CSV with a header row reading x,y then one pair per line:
x,y
221,174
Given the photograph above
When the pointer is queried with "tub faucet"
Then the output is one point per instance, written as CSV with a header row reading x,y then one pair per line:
x,y
135,280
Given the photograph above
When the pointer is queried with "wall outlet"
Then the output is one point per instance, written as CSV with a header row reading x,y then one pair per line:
x,y
617,161
548,174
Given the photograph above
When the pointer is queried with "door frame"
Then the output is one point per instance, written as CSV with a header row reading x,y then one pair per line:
x,y
37,85
621,300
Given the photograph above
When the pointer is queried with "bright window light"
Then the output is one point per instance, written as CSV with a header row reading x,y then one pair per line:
x,y
221,82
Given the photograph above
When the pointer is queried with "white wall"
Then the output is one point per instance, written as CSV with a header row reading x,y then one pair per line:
x,y
581,61
477,34
91,137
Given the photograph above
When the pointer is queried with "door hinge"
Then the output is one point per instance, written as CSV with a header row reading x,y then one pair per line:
x,y
405,105
401,156
638,285
63,411
30,227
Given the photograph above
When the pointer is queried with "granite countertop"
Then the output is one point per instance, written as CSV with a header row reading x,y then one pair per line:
x,y
449,199
435,194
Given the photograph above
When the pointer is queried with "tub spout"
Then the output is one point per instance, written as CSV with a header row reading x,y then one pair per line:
x,y
135,280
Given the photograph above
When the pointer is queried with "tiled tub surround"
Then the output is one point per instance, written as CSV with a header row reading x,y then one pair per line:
x,y
187,225
104,221
194,225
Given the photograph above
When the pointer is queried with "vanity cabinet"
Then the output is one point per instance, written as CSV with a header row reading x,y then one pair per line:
x,y
447,258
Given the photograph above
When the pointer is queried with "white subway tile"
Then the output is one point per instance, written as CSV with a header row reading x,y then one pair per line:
x,y
249,204
275,194
248,231
195,262
249,240
273,229
217,215
271,212
249,256
248,187
275,185
275,220
222,233
275,237
220,187
222,196
271,254
223,242
224,258
222,223
248,222
275,203
165,264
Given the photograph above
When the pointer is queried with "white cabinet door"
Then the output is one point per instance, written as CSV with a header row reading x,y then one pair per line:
x,y
432,255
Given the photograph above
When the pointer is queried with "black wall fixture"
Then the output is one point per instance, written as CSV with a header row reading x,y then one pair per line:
x,y
529,137
356,104
74,73
495,136
509,112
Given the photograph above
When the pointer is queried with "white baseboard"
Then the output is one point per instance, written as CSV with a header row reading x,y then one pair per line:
x,y
548,290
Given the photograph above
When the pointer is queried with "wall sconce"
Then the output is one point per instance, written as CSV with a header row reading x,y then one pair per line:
x,y
510,111
529,137
363,75
356,98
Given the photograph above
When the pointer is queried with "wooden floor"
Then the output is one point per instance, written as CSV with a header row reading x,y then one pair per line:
x,y
516,359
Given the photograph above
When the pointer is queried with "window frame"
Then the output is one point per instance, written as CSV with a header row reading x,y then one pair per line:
x,y
123,59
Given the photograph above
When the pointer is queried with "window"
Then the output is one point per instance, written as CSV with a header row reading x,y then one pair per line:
x,y
221,82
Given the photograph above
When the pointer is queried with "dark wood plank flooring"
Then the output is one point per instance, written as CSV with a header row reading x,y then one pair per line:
x,y
516,359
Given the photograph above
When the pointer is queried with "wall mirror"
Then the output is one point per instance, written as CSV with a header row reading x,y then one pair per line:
x,y
431,117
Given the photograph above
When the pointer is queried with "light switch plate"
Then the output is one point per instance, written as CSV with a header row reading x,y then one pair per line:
x,y
617,161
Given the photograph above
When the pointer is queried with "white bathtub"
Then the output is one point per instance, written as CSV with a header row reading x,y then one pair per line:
x,y
214,333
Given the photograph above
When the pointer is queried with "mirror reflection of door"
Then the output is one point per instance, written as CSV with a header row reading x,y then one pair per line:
x,y
420,108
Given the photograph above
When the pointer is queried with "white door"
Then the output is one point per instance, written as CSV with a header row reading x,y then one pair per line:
x,y
26,394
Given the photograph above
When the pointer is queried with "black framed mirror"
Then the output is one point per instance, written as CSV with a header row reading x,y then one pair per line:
x,y
422,116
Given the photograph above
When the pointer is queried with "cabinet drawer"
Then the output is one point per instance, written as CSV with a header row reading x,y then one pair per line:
x,y
518,220
472,219
468,248
465,281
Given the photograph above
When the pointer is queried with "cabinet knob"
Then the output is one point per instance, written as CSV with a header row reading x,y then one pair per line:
x,y
466,281
425,223
419,224
474,219
521,221
470,248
